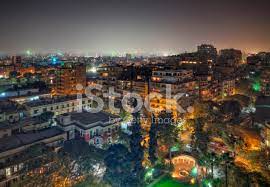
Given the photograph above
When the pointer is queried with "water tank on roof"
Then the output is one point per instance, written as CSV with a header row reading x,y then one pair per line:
x,y
65,119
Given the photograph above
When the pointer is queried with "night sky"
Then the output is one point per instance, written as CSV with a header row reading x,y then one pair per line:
x,y
104,27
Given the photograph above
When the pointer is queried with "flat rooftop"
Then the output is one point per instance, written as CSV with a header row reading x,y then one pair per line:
x,y
87,120
48,101
21,123
8,106
19,140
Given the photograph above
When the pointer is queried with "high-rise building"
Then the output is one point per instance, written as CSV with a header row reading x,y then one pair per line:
x,y
265,82
261,58
230,57
207,54
68,77
16,60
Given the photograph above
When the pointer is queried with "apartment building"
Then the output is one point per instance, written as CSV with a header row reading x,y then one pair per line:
x,y
15,159
172,76
227,87
95,128
58,104
10,111
68,77
265,82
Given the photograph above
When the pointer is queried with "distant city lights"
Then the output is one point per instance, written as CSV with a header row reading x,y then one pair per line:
x,y
93,69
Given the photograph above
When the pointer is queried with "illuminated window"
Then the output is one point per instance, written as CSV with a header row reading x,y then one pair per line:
x,y
8,171
15,168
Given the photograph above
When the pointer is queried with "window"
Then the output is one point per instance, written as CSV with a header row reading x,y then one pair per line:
x,y
8,171
20,166
35,111
15,169
44,109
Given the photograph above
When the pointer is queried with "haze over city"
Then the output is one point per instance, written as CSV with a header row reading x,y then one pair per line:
x,y
151,26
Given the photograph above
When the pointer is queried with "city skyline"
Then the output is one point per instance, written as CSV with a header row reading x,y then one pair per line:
x,y
102,27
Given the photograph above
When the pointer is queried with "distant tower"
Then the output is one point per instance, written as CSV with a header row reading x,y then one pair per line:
x,y
128,57
16,60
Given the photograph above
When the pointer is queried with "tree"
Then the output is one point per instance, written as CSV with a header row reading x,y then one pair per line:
x,y
125,116
227,161
209,160
46,116
119,167
14,74
231,108
28,76
153,142
88,158
48,169
136,149
91,181
167,132
42,86
201,138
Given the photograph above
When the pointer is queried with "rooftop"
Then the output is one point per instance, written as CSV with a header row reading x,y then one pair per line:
x,y
52,100
8,106
21,123
88,120
19,140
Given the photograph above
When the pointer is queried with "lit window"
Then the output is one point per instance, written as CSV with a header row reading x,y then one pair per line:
x,y
15,168
8,171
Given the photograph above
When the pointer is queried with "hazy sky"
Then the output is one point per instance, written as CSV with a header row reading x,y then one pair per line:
x,y
99,26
